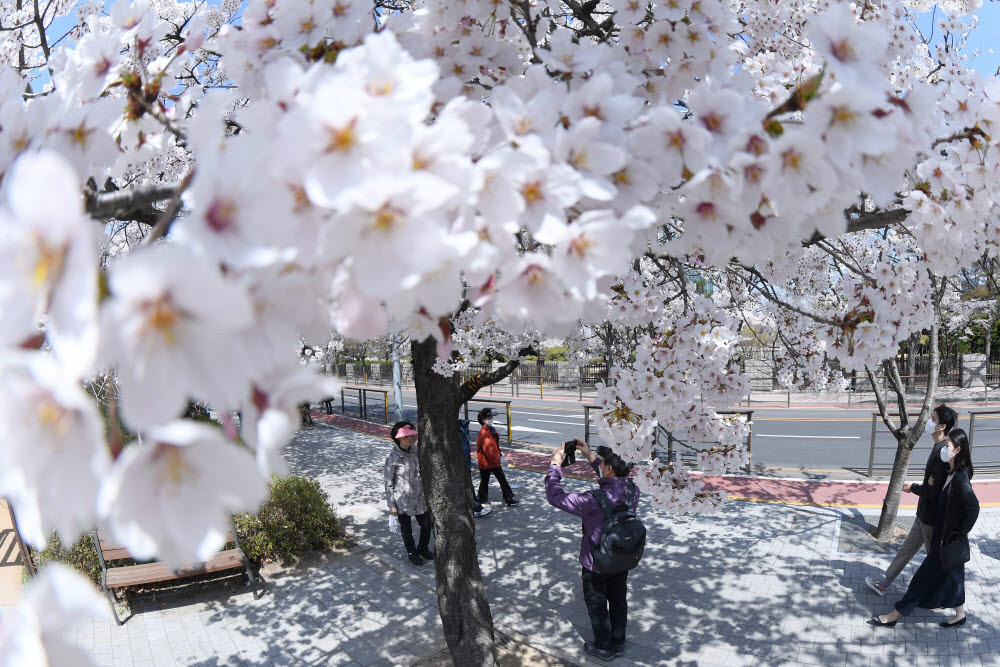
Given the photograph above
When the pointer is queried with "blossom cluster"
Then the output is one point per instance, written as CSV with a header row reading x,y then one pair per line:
x,y
341,168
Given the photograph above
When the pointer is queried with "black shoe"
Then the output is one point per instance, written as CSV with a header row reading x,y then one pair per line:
x,y
602,653
619,650
878,622
511,502
427,554
946,624
416,559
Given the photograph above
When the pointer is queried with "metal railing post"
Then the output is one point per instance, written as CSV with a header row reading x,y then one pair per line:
x,y
541,387
871,451
586,424
972,426
750,444
788,393
466,410
986,397
579,381
510,438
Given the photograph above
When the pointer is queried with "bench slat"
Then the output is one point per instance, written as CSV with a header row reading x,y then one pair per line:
x,y
112,551
147,573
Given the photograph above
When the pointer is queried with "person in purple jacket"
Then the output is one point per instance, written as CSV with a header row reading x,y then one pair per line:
x,y
604,594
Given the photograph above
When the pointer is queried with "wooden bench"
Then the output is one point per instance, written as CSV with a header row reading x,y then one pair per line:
x,y
152,572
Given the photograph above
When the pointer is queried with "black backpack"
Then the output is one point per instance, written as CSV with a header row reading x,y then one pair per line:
x,y
623,537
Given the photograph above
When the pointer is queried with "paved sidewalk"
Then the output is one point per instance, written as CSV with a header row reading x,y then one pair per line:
x,y
756,584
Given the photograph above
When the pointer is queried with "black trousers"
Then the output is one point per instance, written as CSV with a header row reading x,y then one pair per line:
x,y
406,529
476,505
484,484
605,595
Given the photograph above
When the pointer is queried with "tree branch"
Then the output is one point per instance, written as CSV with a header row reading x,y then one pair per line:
x,y
123,204
471,386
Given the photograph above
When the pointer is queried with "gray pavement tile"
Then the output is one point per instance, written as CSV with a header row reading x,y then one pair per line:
x,y
762,586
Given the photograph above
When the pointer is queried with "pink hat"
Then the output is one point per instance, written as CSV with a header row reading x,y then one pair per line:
x,y
405,431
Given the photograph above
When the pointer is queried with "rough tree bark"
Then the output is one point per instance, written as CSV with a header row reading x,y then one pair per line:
x,y
464,609
906,434
444,473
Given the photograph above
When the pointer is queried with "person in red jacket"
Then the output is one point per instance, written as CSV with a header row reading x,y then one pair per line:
x,y
488,453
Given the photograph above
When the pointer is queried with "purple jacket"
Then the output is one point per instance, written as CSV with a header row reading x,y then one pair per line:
x,y
584,506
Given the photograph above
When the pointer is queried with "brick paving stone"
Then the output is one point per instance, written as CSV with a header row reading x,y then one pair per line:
x,y
755,584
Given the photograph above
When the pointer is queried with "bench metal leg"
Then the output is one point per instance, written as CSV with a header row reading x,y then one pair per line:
x,y
258,590
111,601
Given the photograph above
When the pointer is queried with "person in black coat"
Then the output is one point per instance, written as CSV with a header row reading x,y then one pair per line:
x,y
932,586
936,471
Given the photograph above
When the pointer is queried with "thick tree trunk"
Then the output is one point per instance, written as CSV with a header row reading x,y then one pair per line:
x,y
444,471
890,505
906,437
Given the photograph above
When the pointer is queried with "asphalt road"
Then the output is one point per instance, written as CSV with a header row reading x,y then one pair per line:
x,y
825,440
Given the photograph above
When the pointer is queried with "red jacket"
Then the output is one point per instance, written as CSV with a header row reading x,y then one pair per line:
x,y
488,448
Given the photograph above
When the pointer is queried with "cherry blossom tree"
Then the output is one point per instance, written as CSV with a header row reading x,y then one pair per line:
x,y
284,168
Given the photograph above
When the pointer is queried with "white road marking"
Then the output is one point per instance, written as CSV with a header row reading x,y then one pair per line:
x,y
547,414
530,429
826,437
549,421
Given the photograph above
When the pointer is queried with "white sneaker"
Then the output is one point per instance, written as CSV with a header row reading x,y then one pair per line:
x,y
875,586
482,512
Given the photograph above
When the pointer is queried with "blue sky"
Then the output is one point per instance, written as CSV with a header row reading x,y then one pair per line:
x,y
985,38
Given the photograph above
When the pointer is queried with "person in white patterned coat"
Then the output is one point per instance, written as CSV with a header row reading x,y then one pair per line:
x,y
404,493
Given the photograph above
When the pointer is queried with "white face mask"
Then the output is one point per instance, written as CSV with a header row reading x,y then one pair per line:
x,y
600,471
930,427
945,454
489,422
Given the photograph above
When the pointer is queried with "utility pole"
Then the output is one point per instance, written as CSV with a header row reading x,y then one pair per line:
x,y
397,379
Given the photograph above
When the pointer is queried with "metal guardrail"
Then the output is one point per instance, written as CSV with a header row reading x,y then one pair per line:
x,y
876,420
586,421
362,400
976,461
989,462
497,401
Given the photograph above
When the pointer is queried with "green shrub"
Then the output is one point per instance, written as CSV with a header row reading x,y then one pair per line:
x,y
81,556
556,353
296,518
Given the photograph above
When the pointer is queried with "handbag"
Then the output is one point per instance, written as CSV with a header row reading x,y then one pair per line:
x,y
393,525
954,551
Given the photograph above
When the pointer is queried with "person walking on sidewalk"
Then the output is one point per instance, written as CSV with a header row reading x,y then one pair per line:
x,y
488,453
404,492
465,441
938,582
941,423
606,595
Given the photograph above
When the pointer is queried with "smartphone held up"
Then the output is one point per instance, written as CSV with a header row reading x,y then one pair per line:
x,y
570,448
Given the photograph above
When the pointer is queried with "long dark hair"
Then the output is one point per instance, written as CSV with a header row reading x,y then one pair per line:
x,y
964,456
